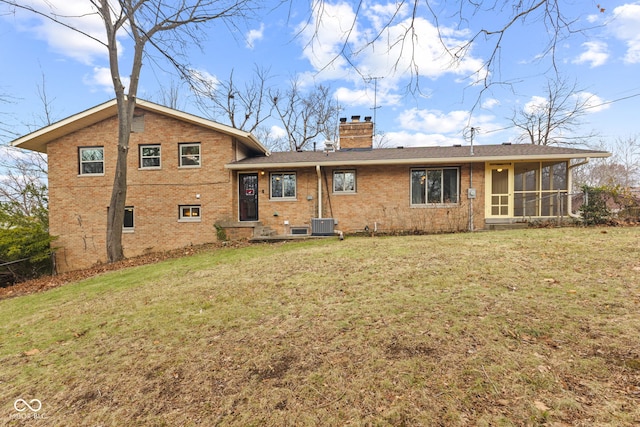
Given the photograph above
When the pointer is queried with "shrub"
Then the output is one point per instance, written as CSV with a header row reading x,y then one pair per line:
x,y
594,210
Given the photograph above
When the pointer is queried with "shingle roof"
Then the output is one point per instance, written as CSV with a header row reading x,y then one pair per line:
x,y
415,155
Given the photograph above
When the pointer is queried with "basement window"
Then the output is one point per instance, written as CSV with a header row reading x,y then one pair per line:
x,y
128,224
189,213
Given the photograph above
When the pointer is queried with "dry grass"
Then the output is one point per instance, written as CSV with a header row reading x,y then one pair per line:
x,y
535,327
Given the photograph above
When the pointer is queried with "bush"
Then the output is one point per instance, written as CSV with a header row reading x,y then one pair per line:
x,y
594,210
25,243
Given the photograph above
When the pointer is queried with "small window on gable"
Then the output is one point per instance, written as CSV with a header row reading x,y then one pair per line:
x,y
150,156
344,181
91,160
190,155
189,213
137,125
128,224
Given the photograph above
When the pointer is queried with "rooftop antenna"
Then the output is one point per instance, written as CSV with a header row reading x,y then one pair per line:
x,y
375,99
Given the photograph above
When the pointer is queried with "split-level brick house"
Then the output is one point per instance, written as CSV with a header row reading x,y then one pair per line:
x,y
192,180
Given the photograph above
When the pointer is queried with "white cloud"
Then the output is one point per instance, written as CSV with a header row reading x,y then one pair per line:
x,y
595,54
419,139
434,120
203,82
78,14
490,103
254,35
277,132
625,28
100,80
592,103
405,47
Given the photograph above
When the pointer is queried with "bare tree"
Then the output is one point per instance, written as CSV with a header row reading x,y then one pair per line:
x,y
167,27
305,117
554,119
622,169
243,106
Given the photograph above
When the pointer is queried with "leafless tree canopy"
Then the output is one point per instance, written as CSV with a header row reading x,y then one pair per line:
x,y
554,120
305,116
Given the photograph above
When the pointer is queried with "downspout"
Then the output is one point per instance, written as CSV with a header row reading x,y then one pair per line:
x,y
469,198
570,184
319,191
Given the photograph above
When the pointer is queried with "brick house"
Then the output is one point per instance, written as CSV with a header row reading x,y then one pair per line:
x,y
190,180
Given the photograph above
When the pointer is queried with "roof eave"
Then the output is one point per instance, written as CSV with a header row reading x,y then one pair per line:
x,y
38,140
412,161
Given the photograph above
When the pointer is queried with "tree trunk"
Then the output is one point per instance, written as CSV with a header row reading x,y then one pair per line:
x,y
115,213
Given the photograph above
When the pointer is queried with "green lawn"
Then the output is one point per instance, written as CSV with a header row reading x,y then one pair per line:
x,y
529,327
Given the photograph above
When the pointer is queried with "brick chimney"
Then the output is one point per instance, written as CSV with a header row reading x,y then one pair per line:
x,y
356,134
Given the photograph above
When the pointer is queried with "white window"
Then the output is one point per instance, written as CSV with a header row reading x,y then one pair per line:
x,y
344,181
91,160
150,156
128,224
283,185
190,155
435,186
189,213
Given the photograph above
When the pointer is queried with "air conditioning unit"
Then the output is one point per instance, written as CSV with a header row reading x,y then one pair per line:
x,y
322,226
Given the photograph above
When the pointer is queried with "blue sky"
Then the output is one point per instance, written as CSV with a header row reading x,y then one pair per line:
x,y
604,62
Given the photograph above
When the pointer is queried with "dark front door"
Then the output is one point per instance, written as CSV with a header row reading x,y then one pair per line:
x,y
248,197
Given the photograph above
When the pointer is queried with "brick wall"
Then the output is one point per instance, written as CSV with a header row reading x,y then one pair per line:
x,y
78,204
382,200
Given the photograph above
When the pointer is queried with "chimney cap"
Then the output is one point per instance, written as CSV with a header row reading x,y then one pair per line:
x,y
367,118
355,118
343,119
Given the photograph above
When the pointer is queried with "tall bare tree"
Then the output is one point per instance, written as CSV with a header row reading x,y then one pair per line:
x,y
305,116
243,106
167,27
555,118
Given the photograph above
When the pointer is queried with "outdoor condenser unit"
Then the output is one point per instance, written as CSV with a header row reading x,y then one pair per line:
x,y
322,226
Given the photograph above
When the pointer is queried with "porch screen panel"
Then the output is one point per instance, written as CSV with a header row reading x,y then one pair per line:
x,y
526,187
554,188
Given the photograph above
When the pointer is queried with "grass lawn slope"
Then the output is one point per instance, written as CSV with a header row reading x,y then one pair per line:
x,y
523,328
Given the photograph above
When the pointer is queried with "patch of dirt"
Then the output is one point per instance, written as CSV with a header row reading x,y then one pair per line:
x,y
47,282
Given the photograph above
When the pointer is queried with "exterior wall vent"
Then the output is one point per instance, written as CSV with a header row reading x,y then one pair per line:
x,y
322,226
299,231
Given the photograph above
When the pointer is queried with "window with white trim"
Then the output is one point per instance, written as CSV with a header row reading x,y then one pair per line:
x,y
435,186
190,155
128,224
91,160
344,181
283,185
189,212
150,156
